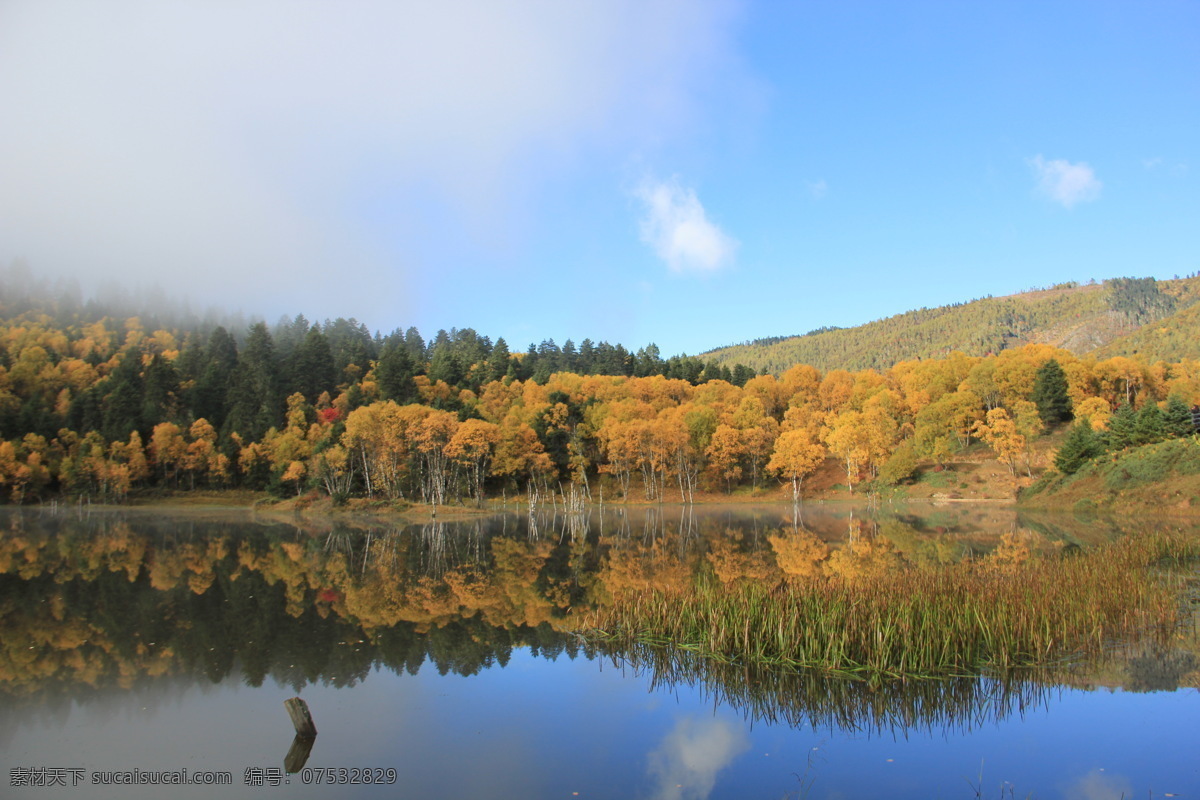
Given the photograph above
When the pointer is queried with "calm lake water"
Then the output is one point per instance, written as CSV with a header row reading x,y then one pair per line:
x,y
438,662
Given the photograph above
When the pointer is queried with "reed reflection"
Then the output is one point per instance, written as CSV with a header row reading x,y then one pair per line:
x,y
822,702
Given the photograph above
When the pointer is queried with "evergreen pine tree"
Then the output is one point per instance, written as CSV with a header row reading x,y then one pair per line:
x,y
416,348
570,358
254,399
394,374
1050,394
1177,418
160,392
1150,426
212,387
741,374
123,402
311,368
587,357
1122,428
498,361
1081,445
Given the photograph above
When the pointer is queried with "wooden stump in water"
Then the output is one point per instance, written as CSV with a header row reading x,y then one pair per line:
x,y
301,719
297,755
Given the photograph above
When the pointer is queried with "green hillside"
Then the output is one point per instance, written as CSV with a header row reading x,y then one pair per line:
x,y
1092,318
1171,339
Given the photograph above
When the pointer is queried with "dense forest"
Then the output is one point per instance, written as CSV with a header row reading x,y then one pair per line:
x,y
97,405
1122,316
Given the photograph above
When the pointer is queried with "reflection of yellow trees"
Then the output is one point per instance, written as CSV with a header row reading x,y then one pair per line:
x,y
46,646
374,581
373,585
503,596
636,567
922,549
863,558
799,554
731,562
191,563
1012,552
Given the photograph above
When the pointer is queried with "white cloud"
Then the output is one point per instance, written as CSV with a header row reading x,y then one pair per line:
x,y
818,188
679,230
317,149
1064,182
686,764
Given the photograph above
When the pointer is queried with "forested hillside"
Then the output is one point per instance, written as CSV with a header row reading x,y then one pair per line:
x,y
1170,339
1079,318
103,406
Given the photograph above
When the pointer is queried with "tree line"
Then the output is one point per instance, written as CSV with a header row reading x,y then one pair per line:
x,y
103,407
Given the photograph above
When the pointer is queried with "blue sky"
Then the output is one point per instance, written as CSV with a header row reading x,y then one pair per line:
x,y
686,173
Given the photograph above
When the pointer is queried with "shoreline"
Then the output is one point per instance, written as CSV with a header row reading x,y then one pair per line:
x,y
309,507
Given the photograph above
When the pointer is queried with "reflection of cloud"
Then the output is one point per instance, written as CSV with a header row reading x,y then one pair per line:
x,y
688,760
1097,785
1064,182
679,230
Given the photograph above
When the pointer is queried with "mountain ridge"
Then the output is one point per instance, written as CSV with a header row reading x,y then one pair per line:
x,y
1120,316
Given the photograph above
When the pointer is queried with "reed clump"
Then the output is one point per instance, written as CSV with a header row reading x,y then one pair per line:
x,y
920,621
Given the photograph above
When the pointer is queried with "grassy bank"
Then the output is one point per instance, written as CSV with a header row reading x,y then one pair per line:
x,y
1163,476
956,619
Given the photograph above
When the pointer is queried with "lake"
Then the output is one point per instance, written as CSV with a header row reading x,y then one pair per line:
x,y
438,661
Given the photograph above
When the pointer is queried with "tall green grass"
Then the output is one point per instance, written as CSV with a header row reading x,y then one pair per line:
x,y
951,620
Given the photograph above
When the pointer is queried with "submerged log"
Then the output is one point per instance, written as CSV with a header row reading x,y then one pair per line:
x,y
301,718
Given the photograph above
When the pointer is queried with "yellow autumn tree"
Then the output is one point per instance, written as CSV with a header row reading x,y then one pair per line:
x,y
797,454
1096,411
1000,433
472,446
431,435
519,453
848,438
168,451
725,451
203,460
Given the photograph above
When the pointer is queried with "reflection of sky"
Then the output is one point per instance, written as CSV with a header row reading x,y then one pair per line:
x,y
550,729
686,764
1098,785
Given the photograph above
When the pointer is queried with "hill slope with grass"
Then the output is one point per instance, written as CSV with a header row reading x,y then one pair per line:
x,y
1164,476
1155,319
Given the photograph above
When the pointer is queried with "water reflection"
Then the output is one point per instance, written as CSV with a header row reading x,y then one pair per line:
x,y
110,602
819,702
1098,785
688,760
